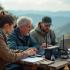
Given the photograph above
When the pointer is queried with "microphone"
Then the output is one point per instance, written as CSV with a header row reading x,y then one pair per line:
x,y
46,40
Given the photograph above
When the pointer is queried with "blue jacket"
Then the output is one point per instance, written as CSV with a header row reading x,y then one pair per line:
x,y
15,41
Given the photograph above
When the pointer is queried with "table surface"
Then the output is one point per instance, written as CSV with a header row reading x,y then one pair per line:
x,y
57,64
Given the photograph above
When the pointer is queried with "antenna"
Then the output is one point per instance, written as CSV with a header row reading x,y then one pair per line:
x,y
63,41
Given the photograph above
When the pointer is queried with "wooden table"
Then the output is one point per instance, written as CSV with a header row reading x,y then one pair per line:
x,y
29,66
39,65
58,64
54,66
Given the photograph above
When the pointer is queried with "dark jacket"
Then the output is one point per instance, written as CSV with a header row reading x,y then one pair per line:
x,y
40,37
16,41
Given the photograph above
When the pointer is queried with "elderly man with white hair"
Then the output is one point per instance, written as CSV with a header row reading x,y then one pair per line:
x,y
20,39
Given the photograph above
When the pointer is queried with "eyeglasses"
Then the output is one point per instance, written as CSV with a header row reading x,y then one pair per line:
x,y
47,25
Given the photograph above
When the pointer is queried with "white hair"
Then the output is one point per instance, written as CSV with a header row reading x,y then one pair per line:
x,y
22,20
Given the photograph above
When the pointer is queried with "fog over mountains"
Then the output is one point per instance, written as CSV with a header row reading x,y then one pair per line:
x,y
60,19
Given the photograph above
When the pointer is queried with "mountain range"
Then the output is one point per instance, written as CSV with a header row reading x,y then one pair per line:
x,y
60,19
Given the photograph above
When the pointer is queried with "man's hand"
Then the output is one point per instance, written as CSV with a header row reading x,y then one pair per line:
x,y
43,45
31,51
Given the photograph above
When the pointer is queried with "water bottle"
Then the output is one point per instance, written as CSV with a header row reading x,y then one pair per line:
x,y
52,57
66,67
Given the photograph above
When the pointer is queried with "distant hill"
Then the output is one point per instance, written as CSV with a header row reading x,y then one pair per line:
x,y
59,13
60,20
63,30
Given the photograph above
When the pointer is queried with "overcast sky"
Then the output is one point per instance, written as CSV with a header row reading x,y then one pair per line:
x,y
42,5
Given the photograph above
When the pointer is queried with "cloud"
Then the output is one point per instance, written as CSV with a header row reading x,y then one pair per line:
x,y
49,5
66,1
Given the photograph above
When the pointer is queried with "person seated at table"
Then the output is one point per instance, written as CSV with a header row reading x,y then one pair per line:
x,y
6,55
43,34
20,38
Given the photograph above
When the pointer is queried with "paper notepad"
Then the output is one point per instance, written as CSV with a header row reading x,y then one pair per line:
x,y
30,59
52,47
47,62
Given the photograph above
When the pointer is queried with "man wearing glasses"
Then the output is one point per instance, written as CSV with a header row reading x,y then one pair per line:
x,y
42,34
